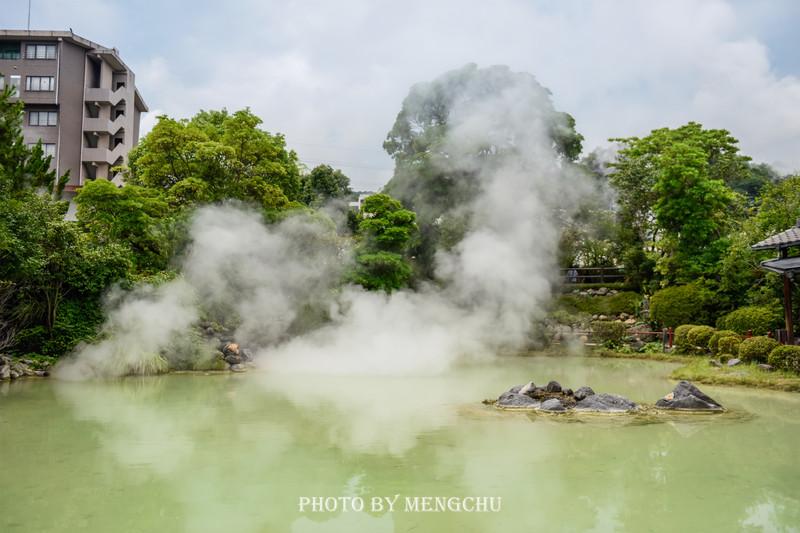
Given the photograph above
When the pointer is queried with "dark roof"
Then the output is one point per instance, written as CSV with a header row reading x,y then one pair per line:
x,y
784,239
782,266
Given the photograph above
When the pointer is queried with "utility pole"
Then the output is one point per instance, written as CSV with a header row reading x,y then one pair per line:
x,y
29,15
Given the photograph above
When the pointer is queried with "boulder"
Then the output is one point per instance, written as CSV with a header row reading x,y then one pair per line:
x,y
583,392
765,367
527,388
516,388
734,362
231,348
514,399
5,372
687,396
238,368
610,403
553,386
714,362
553,404
233,359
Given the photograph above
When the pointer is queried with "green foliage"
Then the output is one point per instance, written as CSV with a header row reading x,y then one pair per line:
x,y
759,320
325,183
385,224
674,203
681,338
609,332
698,337
729,345
786,358
611,305
713,341
680,305
757,349
384,271
226,155
778,206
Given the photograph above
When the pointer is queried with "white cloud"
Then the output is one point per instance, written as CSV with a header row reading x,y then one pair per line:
x,y
332,75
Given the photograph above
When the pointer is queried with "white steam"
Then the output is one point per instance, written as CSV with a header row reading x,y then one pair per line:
x,y
490,288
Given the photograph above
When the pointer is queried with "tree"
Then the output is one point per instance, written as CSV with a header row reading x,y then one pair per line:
x,y
325,183
386,231
424,178
675,208
225,155
130,216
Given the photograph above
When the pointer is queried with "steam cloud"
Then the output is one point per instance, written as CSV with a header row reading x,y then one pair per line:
x,y
492,286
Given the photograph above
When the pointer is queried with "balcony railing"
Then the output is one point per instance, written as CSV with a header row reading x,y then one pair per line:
x,y
105,95
103,155
103,125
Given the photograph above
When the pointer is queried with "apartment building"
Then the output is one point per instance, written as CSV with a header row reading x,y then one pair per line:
x,y
80,101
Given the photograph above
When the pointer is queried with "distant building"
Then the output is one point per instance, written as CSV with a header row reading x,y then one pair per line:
x,y
356,205
80,101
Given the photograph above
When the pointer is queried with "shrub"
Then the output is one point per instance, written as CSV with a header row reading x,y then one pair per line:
x,y
759,319
683,304
681,338
713,342
614,304
786,358
729,345
756,349
608,332
724,358
698,338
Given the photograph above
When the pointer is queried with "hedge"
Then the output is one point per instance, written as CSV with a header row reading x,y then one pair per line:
x,y
756,349
609,332
786,358
612,305
761,320
681,339
684,304
699,336
729,345
713,342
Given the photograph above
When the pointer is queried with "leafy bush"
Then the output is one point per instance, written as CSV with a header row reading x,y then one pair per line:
x,y
608,332
698,338
614,304
681,339
565,317
757,349
652,347
729,345
759,319
786,358
76,321
713,342
683,304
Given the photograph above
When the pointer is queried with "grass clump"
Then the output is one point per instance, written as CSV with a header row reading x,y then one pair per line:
x,y
748,375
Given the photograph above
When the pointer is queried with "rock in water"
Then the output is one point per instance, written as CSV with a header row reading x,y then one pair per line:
x,y
609,403
687,396
553,404
515,399
583,392
553,386
529,387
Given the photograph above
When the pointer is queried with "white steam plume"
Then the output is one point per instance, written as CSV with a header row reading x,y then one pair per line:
x,y
492,286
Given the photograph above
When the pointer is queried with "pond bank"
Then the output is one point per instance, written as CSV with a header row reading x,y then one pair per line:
x,y
699,369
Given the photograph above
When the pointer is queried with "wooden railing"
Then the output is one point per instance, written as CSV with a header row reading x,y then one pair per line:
x,y
593,275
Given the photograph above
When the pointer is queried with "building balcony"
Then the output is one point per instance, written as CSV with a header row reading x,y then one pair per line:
x,y
102,125
103,155
105,96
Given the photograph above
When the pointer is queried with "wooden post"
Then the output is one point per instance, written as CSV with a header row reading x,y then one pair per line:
x,y
787,308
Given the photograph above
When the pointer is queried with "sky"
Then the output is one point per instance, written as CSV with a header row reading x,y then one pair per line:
x,y
331,76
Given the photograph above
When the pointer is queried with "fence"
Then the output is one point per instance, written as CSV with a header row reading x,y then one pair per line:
x,y
593,275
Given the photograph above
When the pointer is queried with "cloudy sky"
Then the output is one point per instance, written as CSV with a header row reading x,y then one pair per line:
x,y
331,75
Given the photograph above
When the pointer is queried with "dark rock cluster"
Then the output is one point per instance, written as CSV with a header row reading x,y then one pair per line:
x,y
554,398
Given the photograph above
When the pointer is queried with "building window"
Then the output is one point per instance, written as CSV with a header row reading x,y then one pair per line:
x,y
40,83
40,51
49,149
14,81
43,118
9,50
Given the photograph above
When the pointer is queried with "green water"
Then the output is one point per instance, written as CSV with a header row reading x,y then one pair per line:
x,y
237,452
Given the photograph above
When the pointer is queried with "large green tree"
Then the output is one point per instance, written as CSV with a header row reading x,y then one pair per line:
x,y
214,156
324,183
674,206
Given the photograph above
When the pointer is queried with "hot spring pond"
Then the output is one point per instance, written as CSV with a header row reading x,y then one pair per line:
x,y
238,452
